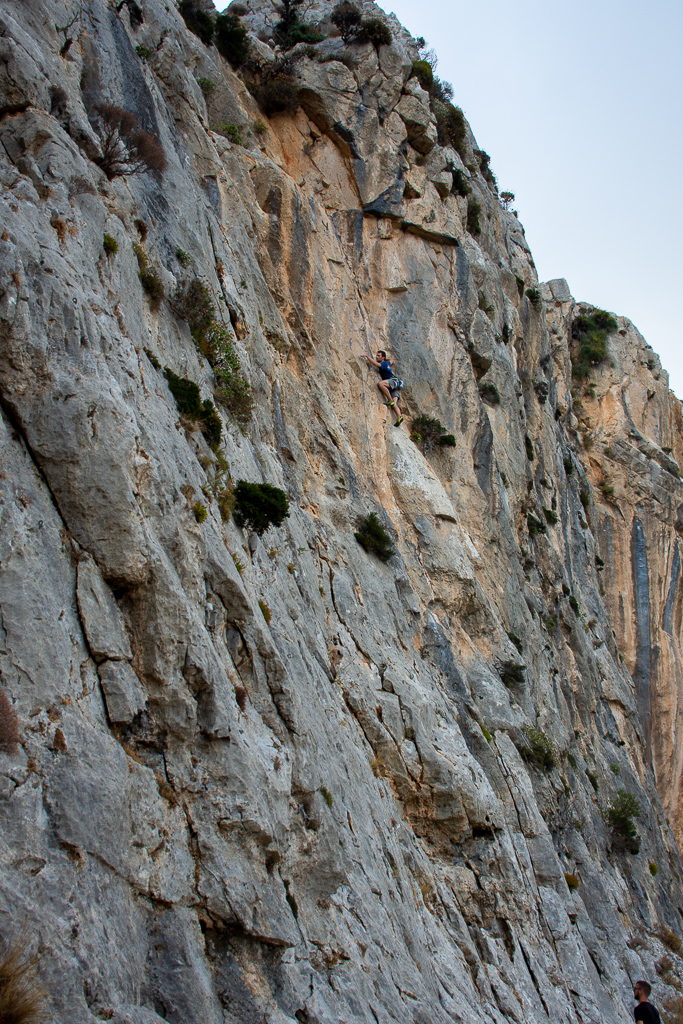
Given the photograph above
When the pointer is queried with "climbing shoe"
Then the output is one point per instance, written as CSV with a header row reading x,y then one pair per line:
x,y
398,422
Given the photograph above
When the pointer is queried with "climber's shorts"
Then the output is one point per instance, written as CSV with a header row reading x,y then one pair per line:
x,y
394,384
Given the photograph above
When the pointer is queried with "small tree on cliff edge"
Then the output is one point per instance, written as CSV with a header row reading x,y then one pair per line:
x,y
126,148
290,30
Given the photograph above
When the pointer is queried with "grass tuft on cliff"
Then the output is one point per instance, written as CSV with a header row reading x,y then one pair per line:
x,y
22,997
9,727
589,333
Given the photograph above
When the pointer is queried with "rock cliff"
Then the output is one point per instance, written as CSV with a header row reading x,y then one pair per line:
x,y
273,778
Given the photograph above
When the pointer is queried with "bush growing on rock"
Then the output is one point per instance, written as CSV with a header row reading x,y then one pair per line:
x,y
126,148
534,297
572,882
375,31
232,39
290,30
619,815
473,211
189,402
538,749
550,516
347,18
459,186
197,20
258,506
152,358
590,333
149,279
535,525
193,303
279,95
512,674
451,127
489,393
233,132
372,536
422,70
428,433
484,166
110,245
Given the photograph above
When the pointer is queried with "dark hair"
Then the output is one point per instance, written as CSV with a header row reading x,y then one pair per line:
x,y
381,352
645,987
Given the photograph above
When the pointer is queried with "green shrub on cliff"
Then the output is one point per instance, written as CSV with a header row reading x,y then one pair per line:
x,y
232,39
190,404
290,30
422,70
451,126
537,748
620,814
375,31
197,20
346,17
473,211
589,334
372,536
193,303
277,95
259,506
428,433
460,186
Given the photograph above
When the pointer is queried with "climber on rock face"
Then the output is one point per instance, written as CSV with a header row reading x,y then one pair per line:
x,y
389,383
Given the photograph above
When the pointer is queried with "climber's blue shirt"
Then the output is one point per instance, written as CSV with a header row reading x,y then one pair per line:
x,y
385,370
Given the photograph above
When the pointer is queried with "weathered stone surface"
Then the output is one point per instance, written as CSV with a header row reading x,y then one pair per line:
x,y
277,778
123,692
417,118
103,623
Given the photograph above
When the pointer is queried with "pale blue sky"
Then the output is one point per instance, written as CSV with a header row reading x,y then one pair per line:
x,y
579,106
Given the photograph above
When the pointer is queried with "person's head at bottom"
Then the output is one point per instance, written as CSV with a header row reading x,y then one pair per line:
x,y
641,990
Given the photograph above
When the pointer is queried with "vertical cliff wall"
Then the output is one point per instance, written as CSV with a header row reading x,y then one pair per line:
x,y
274,778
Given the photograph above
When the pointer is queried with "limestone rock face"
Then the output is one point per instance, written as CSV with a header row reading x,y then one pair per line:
x,y
275,778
